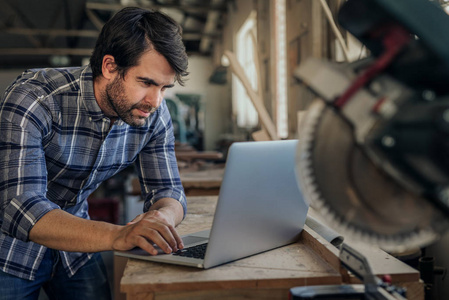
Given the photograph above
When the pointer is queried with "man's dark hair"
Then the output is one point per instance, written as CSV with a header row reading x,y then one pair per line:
x,y
131,32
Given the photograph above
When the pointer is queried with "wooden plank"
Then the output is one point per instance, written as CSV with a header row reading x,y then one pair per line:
x,y
323,248
193,192
202,183
202,179
205,155
261,135
382,263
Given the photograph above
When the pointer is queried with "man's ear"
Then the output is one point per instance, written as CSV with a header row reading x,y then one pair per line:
x,y
108,67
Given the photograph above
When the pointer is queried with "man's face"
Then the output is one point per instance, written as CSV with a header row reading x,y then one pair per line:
x,y
137,95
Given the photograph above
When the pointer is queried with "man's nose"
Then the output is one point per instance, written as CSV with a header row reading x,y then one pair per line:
x,y
154,97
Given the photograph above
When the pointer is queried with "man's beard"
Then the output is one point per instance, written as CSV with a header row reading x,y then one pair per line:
x,y
115,96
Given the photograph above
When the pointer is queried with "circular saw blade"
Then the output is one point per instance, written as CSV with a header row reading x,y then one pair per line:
x,y
354,196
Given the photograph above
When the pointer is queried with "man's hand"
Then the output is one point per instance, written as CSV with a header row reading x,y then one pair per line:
x,y
153,227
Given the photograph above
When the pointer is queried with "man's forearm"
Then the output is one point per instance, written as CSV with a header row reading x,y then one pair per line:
x,y
63,231
60,230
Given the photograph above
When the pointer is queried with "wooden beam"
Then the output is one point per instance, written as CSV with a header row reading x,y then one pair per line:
x,y
264,117
187,35
98,23
24,19
190,7
46,51
52,32
317,30
213,17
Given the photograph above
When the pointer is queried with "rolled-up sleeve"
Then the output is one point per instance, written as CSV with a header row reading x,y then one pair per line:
x,y
22,213
157,165
23,177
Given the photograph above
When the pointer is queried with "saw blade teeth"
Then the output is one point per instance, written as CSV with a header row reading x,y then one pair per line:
x,y
394,243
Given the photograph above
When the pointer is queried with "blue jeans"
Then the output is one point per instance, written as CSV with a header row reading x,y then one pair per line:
x,y
89,282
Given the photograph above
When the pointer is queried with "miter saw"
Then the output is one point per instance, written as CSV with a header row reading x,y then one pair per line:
x,y
374,148
373,156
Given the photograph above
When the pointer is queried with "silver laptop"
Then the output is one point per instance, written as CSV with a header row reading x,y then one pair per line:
x,y
259,208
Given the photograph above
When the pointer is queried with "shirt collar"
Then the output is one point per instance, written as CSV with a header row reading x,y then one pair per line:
x,y
88,95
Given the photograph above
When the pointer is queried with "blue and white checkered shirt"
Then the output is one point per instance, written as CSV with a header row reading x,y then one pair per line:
x,y
57,147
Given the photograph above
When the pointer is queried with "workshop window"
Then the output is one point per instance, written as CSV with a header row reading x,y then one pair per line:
x,y
243,108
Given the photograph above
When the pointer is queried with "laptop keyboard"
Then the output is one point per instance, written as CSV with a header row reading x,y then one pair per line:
x,y
197,251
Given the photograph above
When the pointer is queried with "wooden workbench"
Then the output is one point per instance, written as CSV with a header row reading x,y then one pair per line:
x,y
310,261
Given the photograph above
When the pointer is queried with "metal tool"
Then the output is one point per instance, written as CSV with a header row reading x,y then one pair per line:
x,y
372,288
374,149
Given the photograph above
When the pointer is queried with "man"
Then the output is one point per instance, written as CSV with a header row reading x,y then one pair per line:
x,y
65,131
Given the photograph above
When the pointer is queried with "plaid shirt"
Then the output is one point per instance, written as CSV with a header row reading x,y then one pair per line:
x,y
56,148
